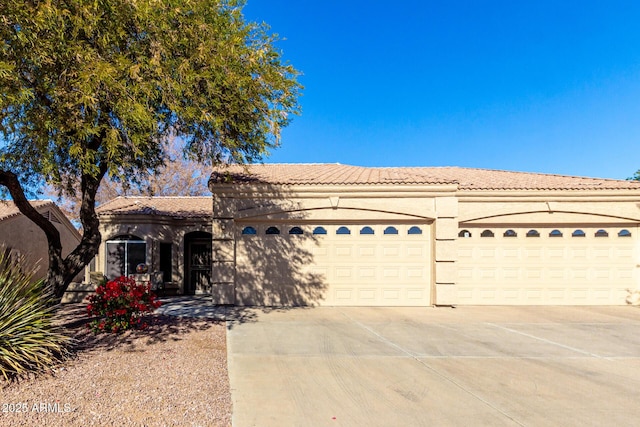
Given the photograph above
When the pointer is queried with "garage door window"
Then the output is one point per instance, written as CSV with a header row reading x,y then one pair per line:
x,y
533,233
415,230
624,233
390,230
602,233
464,234
296,231
487,233
578,233
343,230
319,230
555,233
272,230
510,233
367,230
249,231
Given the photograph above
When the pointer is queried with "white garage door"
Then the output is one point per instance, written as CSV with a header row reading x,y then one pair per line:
x,y
547,266
343,264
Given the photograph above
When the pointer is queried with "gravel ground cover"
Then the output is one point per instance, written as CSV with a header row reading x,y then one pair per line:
x,y
174,373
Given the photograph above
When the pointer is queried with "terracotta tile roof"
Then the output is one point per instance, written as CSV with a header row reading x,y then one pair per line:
x,y
465,178
8,209
176,207
486,179
324,174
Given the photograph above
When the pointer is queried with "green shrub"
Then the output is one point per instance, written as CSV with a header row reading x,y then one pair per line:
x,y
29,341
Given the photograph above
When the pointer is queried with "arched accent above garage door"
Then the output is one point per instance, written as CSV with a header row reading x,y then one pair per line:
x,y
541,217
331,214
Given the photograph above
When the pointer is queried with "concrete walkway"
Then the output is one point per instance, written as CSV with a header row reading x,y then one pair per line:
x,y
492,366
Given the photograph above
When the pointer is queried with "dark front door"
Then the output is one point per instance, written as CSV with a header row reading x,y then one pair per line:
x,y
198,265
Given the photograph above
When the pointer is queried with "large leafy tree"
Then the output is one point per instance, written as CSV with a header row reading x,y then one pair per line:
x,y
179,176
93,88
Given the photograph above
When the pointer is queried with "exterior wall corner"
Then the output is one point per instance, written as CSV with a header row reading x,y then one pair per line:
x,y
223,254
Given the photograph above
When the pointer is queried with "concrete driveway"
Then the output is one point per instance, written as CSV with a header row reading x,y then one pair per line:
x,y
480,366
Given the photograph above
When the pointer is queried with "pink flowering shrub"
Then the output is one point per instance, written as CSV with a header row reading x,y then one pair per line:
x,y
119,305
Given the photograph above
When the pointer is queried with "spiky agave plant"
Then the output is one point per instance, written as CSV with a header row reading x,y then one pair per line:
x,y
30,342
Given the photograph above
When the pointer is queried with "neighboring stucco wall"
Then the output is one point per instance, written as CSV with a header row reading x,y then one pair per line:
x,y
22,234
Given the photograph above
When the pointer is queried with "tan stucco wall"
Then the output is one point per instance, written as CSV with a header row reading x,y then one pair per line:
x,y
435,205
153,230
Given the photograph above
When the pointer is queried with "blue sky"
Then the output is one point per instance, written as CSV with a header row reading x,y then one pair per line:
x,y
538,86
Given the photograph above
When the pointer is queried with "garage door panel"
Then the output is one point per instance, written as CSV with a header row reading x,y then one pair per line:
x,y
416,251
556,253
578,252
366,272
533,273
343,295
391,250
344,273
343,250
547,270
531,253
391,272
602,253
556,273
414,275
624,274
556,295
367,251
513,253
417,294
623,252
319,251
511,273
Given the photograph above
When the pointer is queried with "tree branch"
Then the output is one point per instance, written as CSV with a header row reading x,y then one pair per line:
x,y
11,182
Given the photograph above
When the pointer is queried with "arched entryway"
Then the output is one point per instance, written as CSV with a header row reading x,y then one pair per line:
x,y
197,256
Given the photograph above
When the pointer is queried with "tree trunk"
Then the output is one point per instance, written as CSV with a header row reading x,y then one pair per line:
x,y
62,270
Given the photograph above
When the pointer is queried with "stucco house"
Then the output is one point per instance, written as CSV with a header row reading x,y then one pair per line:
x,y
332,234
171,235
22,236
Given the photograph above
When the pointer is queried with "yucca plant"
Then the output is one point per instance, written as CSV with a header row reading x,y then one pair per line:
x,y
30,342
